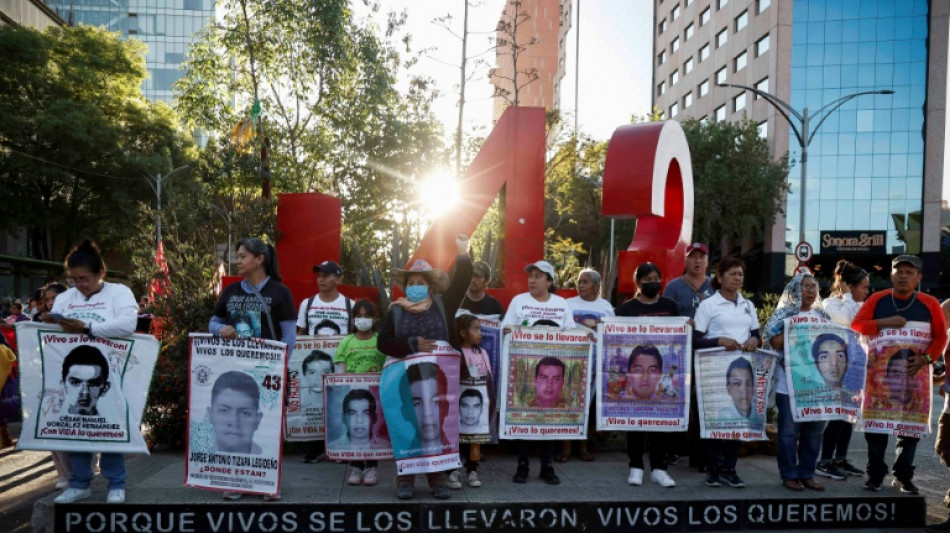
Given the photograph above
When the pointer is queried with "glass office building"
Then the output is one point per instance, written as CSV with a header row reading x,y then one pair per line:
x,y
167,27
866,162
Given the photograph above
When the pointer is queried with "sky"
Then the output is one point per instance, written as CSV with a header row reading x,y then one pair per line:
x,y
615,59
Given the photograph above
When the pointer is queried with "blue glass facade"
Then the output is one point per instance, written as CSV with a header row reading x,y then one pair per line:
x,y
866,163
167,27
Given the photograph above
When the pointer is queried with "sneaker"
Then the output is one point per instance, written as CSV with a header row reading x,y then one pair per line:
x,y
441,492
473,480
635,477
829,470
548,475
62,483
454,481
662,478
906,486
404,492
872,485
672,459
732,479
314,457
271,497
232,496
355,476
370,477
116,496
712,479
845,466
521,475
942,526
73,495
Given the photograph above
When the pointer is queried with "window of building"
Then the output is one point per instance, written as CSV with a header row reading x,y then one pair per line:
x,y
688,32
661,88
705,16
674,77
687,100
675,45
674,110
721,113
662,26
675,13
688,66
762,5
762,46
661,58
687,3
721,4
721,76
704,53
742,20
193,5
133,23
763,128
762,85
703,88
738,103
741,61
722,37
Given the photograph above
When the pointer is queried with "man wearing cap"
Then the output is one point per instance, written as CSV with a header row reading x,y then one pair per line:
x,y
476,299
694,285
893,308
325,313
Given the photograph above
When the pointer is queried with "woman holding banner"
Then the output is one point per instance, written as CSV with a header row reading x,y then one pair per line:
x,y
798,442
99,309
416,322
848,292
729,320
259,306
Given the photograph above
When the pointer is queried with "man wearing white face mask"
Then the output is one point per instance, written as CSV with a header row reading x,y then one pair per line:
x,y
328,312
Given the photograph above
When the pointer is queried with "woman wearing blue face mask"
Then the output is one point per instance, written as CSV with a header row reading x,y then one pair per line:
x,y
414,324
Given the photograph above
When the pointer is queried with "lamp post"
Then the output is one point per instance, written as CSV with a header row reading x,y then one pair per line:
x,y
804,132
156,184
227,217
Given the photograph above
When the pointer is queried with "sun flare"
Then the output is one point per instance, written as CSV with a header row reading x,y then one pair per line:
x,y
437,194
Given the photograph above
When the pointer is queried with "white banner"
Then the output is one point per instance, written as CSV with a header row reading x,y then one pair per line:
x,y
356,427
311,359
732,389
81,393
235,409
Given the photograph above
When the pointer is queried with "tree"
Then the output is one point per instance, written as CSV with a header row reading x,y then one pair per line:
x,y
78,137
738,187
511,43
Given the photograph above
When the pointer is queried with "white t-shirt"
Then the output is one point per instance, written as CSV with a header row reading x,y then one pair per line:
x,y
719,317
111,312
318,311
586,313
524,310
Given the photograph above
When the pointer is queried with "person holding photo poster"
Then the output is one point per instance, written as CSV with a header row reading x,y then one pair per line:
x,y
476,299
728,320
890,312
647,379
474,401
539,304
798,442
259,306
418,321
102,310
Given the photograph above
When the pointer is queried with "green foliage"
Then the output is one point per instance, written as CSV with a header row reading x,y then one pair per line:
x,y
78,137
738,187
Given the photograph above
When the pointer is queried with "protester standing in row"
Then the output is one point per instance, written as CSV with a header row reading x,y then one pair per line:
x,y
476,299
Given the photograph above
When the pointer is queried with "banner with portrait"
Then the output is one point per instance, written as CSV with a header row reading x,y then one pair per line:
x,y
732,388
235,414
310,360
545,376
356,427
476,415
825,365
491,341
420,402
82,393
894,401
643,373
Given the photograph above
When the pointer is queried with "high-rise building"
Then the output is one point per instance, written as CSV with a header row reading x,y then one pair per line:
x,y
30,13
875,166
166,26
542,27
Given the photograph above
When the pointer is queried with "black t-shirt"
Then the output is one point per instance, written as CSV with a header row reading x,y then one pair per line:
x,y
243,310
663,307
917,311
485,306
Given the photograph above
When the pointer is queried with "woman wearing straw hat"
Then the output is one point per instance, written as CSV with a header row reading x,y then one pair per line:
x,y
414,324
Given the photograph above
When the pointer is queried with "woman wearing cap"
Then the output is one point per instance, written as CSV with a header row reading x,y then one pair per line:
x,y
260,295
726,319
416,322
539,304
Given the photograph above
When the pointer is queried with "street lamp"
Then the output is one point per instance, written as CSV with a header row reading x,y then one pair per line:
x,y
156,184
804,132
227,217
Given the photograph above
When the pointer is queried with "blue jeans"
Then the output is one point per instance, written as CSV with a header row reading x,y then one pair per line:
x,y
798,443
112,466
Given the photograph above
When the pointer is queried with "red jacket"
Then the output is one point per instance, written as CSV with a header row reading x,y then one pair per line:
x,y
864,321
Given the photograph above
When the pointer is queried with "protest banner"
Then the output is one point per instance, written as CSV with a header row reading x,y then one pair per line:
x,y
475,411
82,393
310,360
420,402
732,388
825,366
235,410
895,402
644,373
491,340
356,427
545,373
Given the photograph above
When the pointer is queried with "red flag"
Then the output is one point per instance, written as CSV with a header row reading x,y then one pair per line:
x,y
159,286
